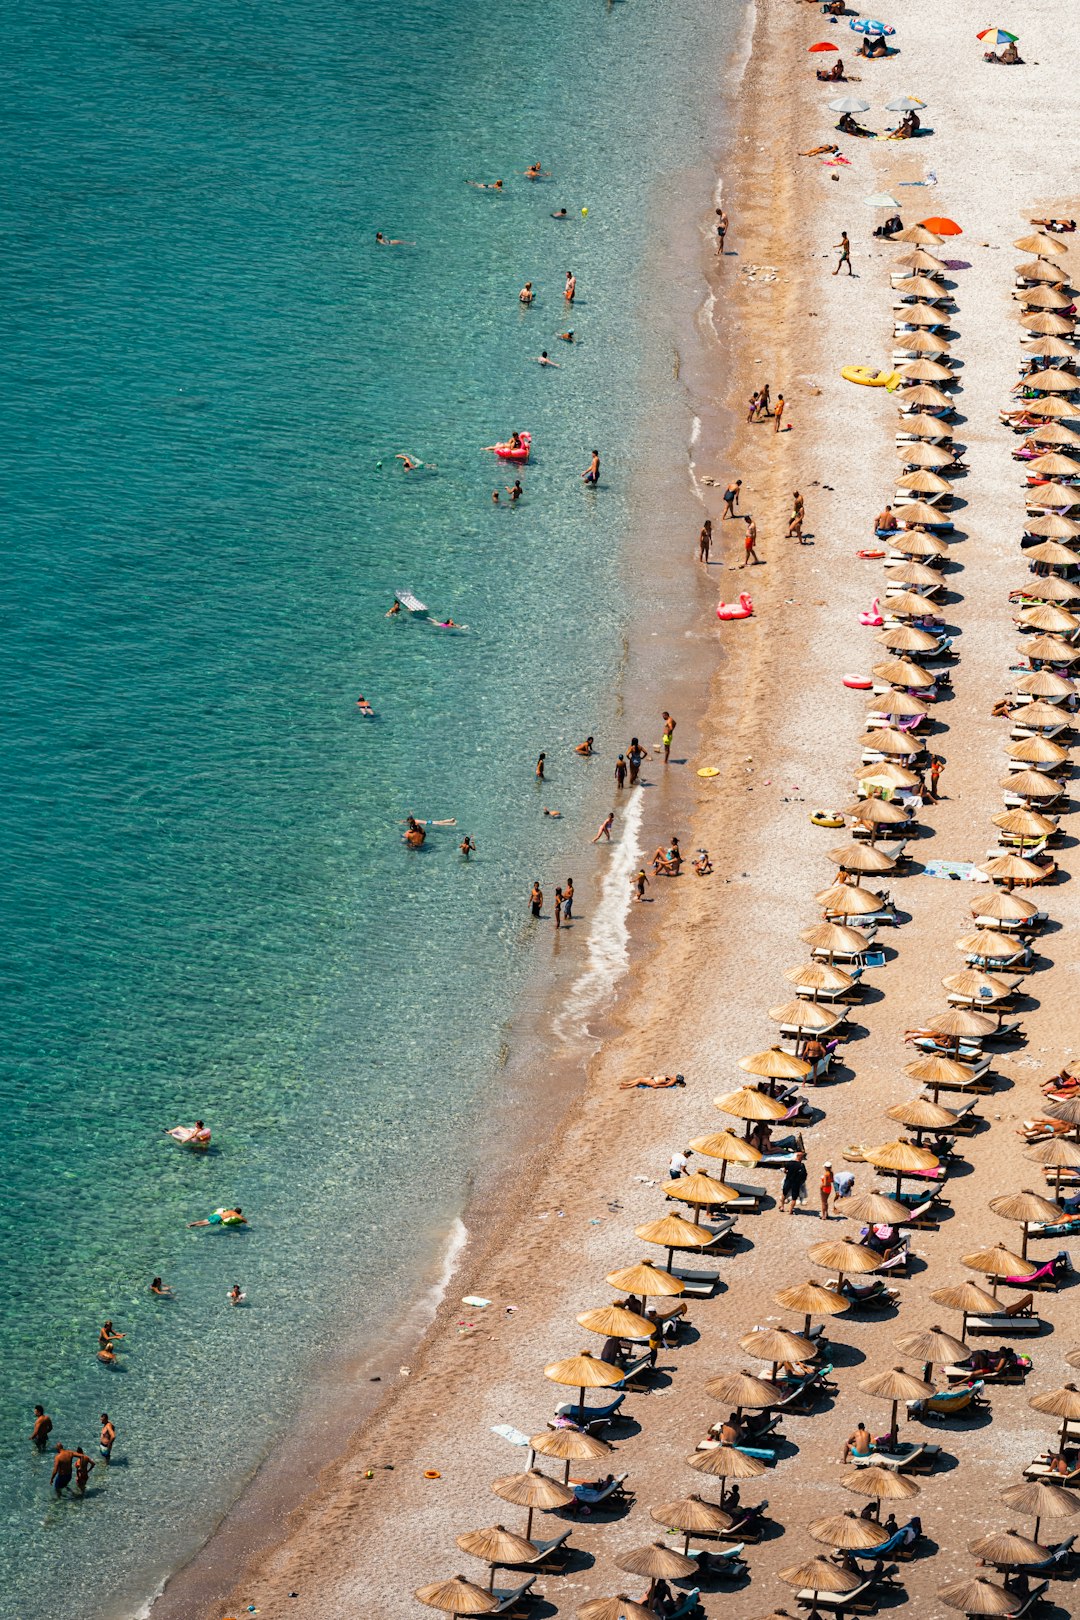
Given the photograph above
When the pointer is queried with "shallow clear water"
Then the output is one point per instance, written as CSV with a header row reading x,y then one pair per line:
x,y
206,369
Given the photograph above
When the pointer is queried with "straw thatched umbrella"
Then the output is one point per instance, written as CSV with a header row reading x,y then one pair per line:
x,y
1050,348
975,1595
848,900
933,1347
962,1023
873,1208
901,704
1053,526
496,1545
1024,824
922,481
805,1016
656,1562
457,1596
1041,298
1039,715
619,1607
1056,620
936,1071
1066,1108
1025,1207
1052,464
672,1233
1031,784
848,1531
919,234
616,1322
534,1491
988,945
922,342
877,814
1058,1154
930,428
967,1298
647,1279
920,1114
724,1463
1037,751
1047,322
1050,588
909,604
1063,1403
775,1064
820,1575
900,1158
743,1388
1040,1500
1052,381
996,1263
916,542
1008,1547
810,1299
726,1147
567,1446
923,370
920,287
815,976
928,458
582,1372
976,984
833,937
751,1105
861,858
778,1344
880,1484
907,638
895,1385
900,671
910,572
1002,906
1054,275
841,1256
924,397
922,261
1039,242
886,773
699,1190
693,1516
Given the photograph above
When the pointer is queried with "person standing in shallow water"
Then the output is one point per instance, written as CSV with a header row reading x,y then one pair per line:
x,y
568,900
42,1429
705,541
108,1437
558,908
540,767
591,475
536,899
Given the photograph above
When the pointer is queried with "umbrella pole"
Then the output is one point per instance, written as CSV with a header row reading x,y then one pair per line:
x,y
566,1473
686,1544
927,1371
580,1411
894,1431
1035,1537
528,1525
491,1579
1024,1242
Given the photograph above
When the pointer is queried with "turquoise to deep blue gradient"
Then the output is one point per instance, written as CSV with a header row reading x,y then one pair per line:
x,y
207,910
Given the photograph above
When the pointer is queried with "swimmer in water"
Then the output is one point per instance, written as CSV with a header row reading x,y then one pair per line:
x,y
585,747
234,1296
514,491
566,337
485,185
363,705
542,359
158,1288
536,172
395,609
107,1355
222,1217
560,213
526,295
554,814
392,241
467,847
591,475
408,464
495,496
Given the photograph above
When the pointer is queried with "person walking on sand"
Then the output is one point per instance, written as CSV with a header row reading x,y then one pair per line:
x,y
721,231
843,247
704,544
620,771
937,765
754,406
536,899
608,822
558,909
793,1190
39,1434
749,542
764,403
639,883
669,732
778,411
83,1465
540,767
826,1188
731,494
107,1438
571,287
678,1164
795,522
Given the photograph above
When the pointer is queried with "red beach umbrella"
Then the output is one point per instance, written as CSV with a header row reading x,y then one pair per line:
x,y
942,227
823,45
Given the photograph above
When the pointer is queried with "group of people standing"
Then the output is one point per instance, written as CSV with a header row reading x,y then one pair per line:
x,y
71,1461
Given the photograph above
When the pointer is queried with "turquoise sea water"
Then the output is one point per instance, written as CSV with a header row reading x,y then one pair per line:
x,y
204,360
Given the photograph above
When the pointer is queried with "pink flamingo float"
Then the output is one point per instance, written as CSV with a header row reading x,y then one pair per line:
x,y
742,609
872,615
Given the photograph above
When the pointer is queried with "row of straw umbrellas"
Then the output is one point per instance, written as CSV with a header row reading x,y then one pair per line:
x,y
535,1491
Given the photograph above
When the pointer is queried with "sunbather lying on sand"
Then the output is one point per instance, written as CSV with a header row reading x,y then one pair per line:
x,y
817,151
652,1082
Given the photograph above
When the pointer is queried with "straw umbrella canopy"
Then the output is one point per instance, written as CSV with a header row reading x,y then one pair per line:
x,y
1053,495
699,1190
1053,526
861,858
965,1297
1066,1109
977,985
900,1158
905,638
1054,432
880,1484
848,1531
1058,1154
920,315
908,604
496,1545
926,427
810,1299
895,1385
820,1575
1037,751
1063,1403
646,1279
920,235
925,397
751,1105
878,813
1052,348
817,976
1052,464
778,1344
975,1595
724,1463
457,1596
936,1071
923,342
1042,298
1039,242
1052,381
775,1064
900,671
1047,322
922,261
873,1207
656,1562
900,704
933,1347
887,741
1030,785
1051,587
841,1256
920,1114
1040,1500
915,573
1008,1547
567,1446
616,1322
989,945
1058,620
1037,714
848,900
728,1148
996,1263
916,543
921,287
1003,907
926,456
619,1607
924,371
1055,275
1010,869
886,773
534,1491
581,1372
1025,1207
743,1388
693,1516
672,1233
805,1016
1050,407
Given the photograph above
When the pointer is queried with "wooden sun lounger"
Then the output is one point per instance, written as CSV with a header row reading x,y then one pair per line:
x,y
595,1417
634,1369
545,1552
510,1597
1029,1602
745,1190
687,1605
1041,1470
1015,1319
915,1460
723,1560
614,1487
698,1284
860,1601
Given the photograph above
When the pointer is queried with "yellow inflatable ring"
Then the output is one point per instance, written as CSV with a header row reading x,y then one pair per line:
x,y
868,378
432,1473
827,818
708,770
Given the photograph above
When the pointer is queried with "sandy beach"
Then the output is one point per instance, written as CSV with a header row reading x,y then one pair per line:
x,y
709,955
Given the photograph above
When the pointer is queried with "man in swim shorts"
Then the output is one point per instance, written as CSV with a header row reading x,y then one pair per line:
x,y
42,1429
844,249
61,1474
536,899
108,1436
749,542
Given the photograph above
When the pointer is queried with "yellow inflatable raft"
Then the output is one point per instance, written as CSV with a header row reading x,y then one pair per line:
x,y
827,818
869,378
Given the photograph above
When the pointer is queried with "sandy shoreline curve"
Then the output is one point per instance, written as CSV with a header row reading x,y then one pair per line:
x,y
707,963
